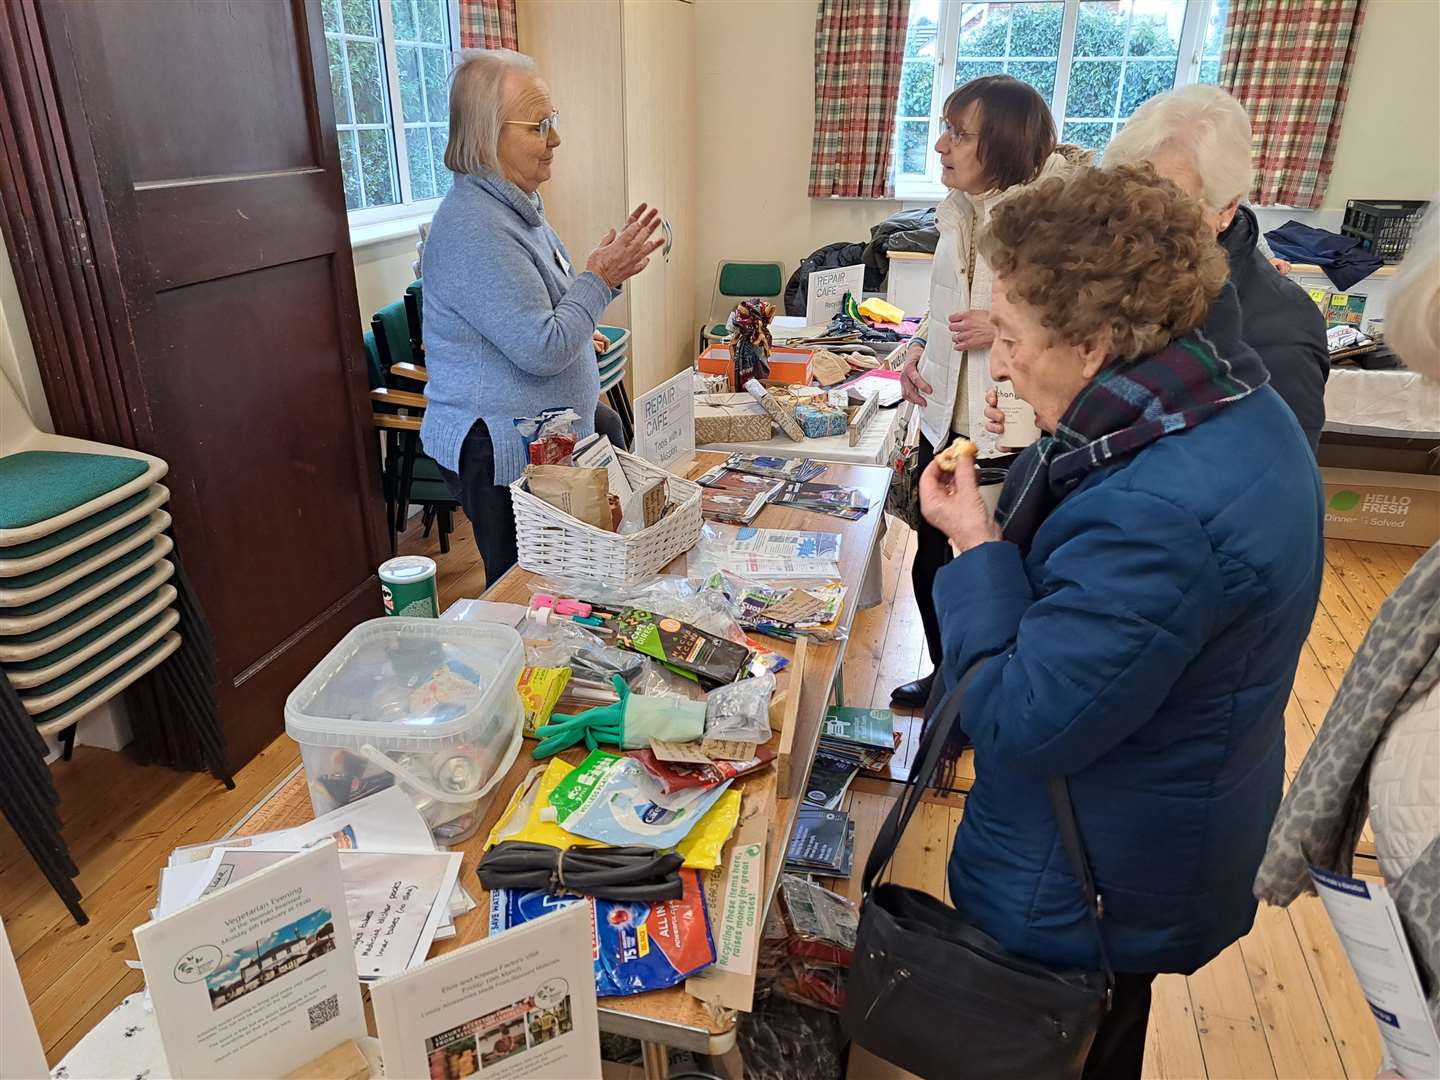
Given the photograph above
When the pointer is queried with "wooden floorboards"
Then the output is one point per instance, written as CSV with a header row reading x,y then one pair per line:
x,y
1282,1002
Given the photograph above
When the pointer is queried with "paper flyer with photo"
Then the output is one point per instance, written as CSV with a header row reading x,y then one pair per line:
x,y
249,981
521,1004
390,899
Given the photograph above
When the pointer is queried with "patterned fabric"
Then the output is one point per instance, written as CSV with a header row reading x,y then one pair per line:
x,y
488,24
1124,408
1288,62
859,49
1322,815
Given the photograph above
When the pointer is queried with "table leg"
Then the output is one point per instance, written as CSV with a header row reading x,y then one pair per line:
x,y
656,1060
837,689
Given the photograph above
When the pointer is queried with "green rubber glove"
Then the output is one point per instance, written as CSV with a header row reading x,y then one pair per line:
x,y
604,723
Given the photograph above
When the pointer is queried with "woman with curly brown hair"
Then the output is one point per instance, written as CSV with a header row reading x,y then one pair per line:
x,y
1131,618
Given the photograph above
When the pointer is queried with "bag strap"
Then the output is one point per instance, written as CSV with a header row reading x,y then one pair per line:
x,y
1069,831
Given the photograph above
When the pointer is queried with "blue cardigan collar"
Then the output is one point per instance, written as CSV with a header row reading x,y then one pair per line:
x,y
531,208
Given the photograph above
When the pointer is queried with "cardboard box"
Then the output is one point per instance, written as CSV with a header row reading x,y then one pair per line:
x,y
1392,508
787,365
727,420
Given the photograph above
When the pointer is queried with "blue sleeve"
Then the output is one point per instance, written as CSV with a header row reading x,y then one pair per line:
x,y
511,307
1082,656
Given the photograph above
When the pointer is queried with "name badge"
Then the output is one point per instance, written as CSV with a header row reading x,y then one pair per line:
x,y
564,266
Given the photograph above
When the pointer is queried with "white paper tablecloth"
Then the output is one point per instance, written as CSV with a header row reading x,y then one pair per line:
x,y
1397,403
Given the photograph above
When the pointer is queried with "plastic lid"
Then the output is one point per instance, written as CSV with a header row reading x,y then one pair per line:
x,y
409,684
407,568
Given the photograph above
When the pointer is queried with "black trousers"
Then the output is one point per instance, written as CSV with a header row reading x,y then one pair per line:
x,y
488,505
1119,1047
932,551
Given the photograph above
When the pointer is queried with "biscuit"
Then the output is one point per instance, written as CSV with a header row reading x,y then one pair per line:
x,y
949,458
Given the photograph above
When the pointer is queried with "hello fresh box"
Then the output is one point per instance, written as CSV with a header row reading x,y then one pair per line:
x,y
1393,508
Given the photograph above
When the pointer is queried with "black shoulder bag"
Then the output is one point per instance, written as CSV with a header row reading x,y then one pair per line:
x,y
937,996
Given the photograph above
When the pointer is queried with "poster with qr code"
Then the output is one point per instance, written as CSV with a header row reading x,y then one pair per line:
x,y
520,1004
256,979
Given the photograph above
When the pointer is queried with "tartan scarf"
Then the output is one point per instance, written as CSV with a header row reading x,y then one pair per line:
x,y
1124,409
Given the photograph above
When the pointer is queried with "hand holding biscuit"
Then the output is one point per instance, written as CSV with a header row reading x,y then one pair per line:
x,y
950,498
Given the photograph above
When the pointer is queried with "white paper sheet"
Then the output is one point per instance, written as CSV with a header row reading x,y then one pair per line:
x,y
1369,929
521,1004
390,898
254,981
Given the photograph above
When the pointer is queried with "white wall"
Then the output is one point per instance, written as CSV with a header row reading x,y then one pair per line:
x,y
755,94
17,354
382,271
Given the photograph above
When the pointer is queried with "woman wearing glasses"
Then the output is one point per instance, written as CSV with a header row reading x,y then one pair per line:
x,y
997,139
509,322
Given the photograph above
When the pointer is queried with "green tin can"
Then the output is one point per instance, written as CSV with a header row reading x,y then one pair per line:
x,y
407,585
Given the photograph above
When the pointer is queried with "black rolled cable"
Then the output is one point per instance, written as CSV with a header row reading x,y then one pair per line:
x,y
638,874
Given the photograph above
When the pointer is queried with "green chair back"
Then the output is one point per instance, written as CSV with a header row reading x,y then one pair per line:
x,y
750,279
373,367
393,326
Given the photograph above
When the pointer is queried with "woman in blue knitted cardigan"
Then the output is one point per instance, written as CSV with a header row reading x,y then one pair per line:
x,y
509,324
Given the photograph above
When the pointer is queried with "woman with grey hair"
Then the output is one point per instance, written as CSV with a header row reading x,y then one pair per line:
x,y
509,324
1198,137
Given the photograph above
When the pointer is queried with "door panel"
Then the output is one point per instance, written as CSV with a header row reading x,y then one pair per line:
x,y
643,32
205,145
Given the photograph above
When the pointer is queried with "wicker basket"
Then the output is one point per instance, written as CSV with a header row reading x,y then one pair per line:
x,y
550,541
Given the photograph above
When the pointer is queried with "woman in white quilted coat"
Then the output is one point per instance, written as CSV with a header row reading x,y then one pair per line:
x,y
1378,752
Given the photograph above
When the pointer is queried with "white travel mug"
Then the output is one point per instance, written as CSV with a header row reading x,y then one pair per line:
x,y
1020,428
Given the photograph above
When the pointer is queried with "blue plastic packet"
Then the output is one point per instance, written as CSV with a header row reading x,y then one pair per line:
x,y
638,946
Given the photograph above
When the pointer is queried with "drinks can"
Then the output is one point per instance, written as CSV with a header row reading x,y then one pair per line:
x,y
407,586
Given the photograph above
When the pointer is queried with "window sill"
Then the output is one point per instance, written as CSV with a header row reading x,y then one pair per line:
x,y
920,191
380,232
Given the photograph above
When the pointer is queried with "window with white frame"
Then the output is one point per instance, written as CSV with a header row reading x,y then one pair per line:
x,y
1094,62
390,74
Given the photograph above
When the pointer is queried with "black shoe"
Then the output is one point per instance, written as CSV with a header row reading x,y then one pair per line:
x,y
913,695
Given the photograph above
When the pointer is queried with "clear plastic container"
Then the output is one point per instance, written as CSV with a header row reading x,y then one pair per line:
x,y
427,704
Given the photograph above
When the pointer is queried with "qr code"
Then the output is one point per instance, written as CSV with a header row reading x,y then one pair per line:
x,y
327,1010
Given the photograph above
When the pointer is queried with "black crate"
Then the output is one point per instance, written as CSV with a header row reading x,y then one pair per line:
x,y
1384,226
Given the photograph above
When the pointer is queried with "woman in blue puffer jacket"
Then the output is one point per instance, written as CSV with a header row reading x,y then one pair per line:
x,y
1132,616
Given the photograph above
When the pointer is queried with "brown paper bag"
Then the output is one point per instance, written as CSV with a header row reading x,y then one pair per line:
x,y
584,494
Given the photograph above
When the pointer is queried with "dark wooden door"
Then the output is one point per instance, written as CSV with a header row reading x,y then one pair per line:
x,y
204,145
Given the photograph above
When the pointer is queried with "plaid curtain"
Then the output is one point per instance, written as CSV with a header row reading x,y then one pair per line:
x,y
1288,62
488,24
859,48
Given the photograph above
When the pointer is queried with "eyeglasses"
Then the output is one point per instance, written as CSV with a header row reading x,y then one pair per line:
x,y
957,134
540,127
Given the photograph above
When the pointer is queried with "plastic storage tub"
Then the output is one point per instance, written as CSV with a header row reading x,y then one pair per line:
x,y
426,704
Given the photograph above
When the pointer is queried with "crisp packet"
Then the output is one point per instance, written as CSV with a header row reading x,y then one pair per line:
x,y
638,946
614,800
540,688
701,849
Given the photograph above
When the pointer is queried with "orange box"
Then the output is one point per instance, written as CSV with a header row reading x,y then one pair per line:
x,y
787,365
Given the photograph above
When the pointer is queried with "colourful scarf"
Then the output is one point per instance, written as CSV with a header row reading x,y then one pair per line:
x,y
1124,409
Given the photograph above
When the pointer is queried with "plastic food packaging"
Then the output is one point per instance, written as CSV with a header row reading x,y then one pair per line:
x,y
674,776
550,437
740,711
638,946
423,703
820,928
540,688
523,820
613,799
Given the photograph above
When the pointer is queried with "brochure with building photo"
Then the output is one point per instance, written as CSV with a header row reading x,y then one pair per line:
x,y
254,981
394,900
521,1004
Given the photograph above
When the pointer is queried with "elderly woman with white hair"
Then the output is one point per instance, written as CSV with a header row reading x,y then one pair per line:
x,y
509,325
1198,137
1377,755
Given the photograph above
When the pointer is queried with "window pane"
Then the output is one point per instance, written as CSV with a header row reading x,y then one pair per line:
x,y
1100,30
359,16
1151,33
432,21
350,171
966,70
331,9
1035,29
1093,136
403,13
984,29
336,50
444,178
412,100
1209,71
375,171
367,84
1093,88
1038,73
920,35
437,83
916,82
1143,81
417,149
1215,28
914,145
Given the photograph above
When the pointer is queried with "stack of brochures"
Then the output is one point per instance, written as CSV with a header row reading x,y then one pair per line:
x,y
867,737
823,843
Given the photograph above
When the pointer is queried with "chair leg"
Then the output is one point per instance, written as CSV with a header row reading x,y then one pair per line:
x,y
427,520
407,474
444,515
67,742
